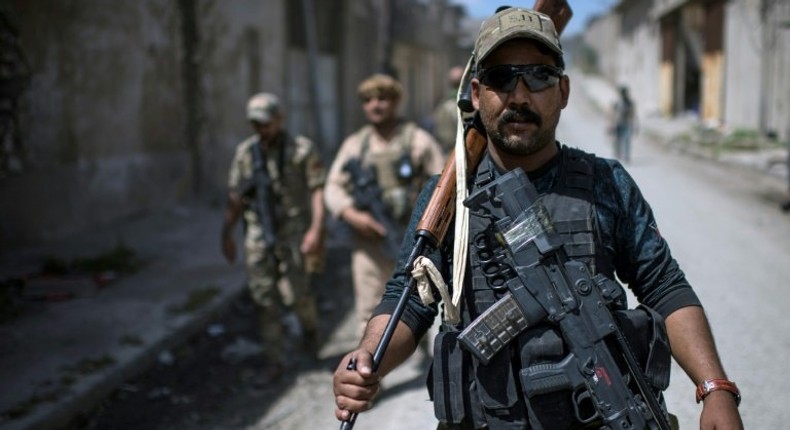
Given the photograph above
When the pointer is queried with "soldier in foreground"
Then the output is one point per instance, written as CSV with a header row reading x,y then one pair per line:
x,y
605,228
276,185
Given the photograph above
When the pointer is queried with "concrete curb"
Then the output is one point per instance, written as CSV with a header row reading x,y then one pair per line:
x,y
60,359
91,390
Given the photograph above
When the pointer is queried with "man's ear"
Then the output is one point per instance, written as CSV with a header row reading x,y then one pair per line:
x,y
475,93
565,89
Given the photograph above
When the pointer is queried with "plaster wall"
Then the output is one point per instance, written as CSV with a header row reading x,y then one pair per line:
x,y
639,56
743,48
104,116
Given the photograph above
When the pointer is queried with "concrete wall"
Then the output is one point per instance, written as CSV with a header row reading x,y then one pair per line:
x,y
601,35
745,84
757,71
104,118
742,57
243,50
776,62
105,87
359,57
136,106
628,45
639,55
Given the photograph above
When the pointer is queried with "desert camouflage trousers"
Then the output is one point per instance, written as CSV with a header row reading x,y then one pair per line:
x,y
278,283
370,271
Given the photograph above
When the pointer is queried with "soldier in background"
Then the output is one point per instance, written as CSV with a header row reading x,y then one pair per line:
x,y
445,116
403,156
623,124
278,263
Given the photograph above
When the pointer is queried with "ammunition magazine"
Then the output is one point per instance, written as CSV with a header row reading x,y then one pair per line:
x,y
494,329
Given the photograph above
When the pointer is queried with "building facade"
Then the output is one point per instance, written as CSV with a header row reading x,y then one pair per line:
x,y
726,62
113,109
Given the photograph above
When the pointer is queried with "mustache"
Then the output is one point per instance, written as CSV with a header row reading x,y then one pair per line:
x,y
522,114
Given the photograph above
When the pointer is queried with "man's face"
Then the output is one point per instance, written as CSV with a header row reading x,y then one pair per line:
x,y
379,109
268,130
521,121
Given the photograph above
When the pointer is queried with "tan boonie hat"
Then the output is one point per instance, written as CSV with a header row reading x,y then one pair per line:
x,y
513,23
263,107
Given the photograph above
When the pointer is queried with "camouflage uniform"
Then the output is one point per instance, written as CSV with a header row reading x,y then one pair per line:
x,y
279,277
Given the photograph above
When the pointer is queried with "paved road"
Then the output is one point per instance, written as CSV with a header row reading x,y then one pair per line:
x,y
732,242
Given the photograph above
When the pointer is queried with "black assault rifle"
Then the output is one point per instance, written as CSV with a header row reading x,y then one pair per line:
x,y
369,197
260,188
600,364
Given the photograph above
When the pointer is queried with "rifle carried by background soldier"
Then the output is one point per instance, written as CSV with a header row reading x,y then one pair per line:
x,y
369,197
260,190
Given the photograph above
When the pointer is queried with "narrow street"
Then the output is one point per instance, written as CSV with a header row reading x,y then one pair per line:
x,y
723,227
727,233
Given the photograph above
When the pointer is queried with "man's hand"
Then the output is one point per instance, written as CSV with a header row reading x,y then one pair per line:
x,y
694,350
312,249
311,242
719,412
355,389
364,223
230,217
228,247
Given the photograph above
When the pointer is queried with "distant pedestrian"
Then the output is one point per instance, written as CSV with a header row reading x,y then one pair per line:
x,y
400,157
623,125
276,185
445,115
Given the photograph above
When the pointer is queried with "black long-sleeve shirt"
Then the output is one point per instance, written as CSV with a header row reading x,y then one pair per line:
x,y
627,235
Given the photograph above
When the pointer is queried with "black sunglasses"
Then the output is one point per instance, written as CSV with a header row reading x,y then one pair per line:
x,y
504,78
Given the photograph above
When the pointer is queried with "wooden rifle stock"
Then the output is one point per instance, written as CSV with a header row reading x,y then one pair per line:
x,y
559,11
440,212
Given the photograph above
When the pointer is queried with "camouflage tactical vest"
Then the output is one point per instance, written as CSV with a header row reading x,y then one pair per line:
x,y
285,163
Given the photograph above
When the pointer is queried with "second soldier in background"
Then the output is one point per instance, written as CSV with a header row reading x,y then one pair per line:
x,y
400,157
275,183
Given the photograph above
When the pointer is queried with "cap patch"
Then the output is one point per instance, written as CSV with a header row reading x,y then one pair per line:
x,y
518,18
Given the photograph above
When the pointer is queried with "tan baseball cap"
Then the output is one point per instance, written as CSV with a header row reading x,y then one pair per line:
x,y
512,23
263,107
